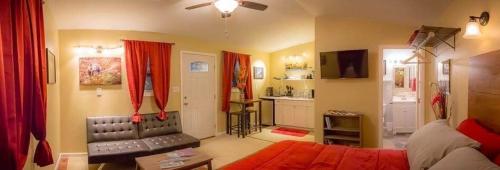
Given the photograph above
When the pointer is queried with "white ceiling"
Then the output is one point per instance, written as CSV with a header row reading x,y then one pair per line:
x,y
285,23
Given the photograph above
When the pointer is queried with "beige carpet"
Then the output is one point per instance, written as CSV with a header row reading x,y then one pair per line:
x,y
224,149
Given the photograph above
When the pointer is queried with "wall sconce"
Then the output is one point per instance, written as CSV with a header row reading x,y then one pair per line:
x,y
472,29
97,51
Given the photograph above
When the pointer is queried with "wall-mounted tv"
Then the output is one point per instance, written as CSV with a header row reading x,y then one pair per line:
x,y
344,64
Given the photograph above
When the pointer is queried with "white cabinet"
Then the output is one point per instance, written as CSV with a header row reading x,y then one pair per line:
x,y
298,113
404,117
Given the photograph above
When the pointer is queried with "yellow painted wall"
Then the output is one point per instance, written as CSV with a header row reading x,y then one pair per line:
x,y
279,58
457,15
359,95
79,102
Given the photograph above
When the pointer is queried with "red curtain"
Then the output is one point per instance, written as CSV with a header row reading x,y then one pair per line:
x,y
246,65
23,90
230,59
136,61
137,54
227,78
160,74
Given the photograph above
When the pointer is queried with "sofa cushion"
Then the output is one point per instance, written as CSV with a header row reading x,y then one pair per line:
x,y
110,128
170,142
151,126
116,150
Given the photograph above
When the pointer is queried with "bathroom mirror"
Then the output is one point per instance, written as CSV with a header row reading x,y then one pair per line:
x,y
399,77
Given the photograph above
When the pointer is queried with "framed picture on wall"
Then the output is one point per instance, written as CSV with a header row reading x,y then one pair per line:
x,y
444,79
51,67
446,67
385,67
258,72
100,71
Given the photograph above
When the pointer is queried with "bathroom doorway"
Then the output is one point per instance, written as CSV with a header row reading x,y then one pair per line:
x,y
400,96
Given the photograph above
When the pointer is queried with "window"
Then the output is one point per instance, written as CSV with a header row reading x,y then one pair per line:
x,y
199,66
148,85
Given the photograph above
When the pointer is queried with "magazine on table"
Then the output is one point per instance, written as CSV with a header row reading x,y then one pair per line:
x,y
177,158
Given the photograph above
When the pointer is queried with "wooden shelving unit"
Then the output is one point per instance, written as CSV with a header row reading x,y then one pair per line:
x,y
343,128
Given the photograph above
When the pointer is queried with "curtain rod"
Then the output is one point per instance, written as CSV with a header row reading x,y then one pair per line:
x,y
148,41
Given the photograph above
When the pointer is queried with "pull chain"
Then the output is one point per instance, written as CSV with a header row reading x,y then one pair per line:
x,y
226,31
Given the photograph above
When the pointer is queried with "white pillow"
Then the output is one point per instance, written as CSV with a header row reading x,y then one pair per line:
x,y
465,159
434,141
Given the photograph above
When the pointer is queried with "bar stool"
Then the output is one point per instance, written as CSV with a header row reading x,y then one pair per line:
x,y
240,117
239,125
251,110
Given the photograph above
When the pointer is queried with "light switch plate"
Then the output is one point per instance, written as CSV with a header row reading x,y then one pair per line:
x,y
175,89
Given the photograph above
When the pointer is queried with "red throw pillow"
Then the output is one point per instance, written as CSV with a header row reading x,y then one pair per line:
x,y
490,141
497,160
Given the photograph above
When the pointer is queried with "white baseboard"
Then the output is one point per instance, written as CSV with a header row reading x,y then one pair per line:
x,y
220,133
74,153
57,161
68,154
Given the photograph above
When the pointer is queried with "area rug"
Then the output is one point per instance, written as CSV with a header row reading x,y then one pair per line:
x,y
290,131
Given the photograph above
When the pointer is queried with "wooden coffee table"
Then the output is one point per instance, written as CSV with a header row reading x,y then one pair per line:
x,y
152,162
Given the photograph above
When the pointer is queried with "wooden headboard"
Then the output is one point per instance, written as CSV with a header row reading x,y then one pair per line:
x,y
484,89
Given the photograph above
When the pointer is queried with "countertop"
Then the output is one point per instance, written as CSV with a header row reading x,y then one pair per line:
x,y
404,99
286,98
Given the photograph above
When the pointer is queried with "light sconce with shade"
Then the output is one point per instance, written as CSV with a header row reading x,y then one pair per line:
x,y
97,51
472,29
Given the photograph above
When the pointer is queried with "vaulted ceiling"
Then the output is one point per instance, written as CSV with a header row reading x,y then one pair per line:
x,y
285,23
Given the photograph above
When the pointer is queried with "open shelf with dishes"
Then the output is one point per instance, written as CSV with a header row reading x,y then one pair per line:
x,y
343,128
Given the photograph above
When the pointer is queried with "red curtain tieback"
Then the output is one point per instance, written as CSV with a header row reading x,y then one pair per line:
x,y
136,118
43,155
162,115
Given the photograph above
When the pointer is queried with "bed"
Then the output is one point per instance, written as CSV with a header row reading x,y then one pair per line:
x,y
292,155
483,126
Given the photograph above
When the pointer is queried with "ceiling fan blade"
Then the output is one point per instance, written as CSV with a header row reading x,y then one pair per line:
x,y
253,5
199,5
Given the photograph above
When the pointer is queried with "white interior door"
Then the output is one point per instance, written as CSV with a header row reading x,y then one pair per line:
x,y
198,94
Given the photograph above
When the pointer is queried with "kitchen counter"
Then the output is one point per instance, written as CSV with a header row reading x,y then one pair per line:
x,y
305,104
286,98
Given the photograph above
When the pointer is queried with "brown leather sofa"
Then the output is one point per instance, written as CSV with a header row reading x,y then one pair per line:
x,y
116,138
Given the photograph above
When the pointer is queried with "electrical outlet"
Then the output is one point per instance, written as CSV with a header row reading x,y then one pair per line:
x,y
98,92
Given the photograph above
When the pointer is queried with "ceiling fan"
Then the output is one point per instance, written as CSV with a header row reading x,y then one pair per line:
x,y
228,6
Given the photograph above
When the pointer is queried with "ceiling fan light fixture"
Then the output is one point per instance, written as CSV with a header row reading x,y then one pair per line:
x,y
226,6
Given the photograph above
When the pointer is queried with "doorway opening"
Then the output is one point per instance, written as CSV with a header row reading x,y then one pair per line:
x,y
401,94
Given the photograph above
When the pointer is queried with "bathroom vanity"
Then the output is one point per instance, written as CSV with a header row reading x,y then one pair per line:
x,y
404,114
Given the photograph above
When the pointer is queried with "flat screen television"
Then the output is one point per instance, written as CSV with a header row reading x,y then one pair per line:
x,y
344,64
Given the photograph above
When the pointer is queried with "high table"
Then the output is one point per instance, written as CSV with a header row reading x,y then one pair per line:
x,y
244,104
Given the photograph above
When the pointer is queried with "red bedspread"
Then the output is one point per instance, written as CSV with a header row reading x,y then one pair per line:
x,y
292,155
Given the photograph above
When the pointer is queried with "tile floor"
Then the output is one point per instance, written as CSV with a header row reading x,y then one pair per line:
x,y
223,148
397,141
